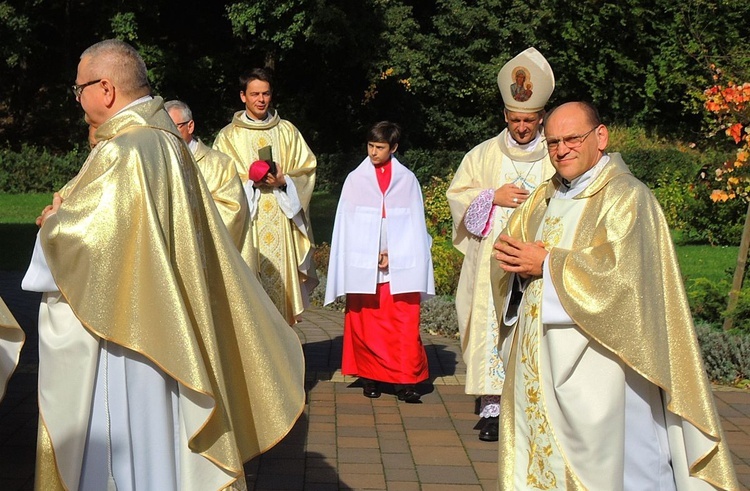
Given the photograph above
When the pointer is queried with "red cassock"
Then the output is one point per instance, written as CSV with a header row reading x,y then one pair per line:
x,y
381,331
381,337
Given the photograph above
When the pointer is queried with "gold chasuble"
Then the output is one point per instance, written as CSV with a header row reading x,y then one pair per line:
x,y
613,266
139,253
12,339
220,173
285,264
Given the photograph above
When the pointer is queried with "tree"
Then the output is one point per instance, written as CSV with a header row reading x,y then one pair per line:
x,y
730,104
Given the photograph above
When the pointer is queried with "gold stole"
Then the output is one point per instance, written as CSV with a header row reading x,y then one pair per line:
x,y
539,462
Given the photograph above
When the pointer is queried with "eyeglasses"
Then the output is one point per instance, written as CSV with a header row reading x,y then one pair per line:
x,y
180,125
572,141
78,89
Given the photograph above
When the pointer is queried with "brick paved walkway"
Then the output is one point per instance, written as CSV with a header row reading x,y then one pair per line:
x,y
343,441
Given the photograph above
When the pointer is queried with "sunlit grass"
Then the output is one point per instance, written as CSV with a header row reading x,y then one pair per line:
x,y
22,208
704,261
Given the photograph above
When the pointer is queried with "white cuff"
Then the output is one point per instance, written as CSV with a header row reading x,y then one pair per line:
x,y
552,310
253,195
38,277
288,200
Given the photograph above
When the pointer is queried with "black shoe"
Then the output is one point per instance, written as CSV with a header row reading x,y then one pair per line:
x,y
409,395
491,430
370,389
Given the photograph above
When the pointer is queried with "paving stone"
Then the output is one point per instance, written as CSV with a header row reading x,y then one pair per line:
x,y
402,486
401,475
431,474
360,455
344,441
356,442
362,481
440,455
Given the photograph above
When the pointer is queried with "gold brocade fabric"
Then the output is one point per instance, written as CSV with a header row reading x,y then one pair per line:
x,y
7,321
620,283
139,252
225,186
276,237
539,454
12,339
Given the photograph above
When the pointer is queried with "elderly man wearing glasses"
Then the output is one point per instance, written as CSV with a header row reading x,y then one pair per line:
x,y
220,173
493,179
162,362
605,386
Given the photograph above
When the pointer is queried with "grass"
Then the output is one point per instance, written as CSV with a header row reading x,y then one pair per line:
x,y
22,208
705,261
17,232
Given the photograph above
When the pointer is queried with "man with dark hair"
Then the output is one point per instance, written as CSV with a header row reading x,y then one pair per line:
x,y
605,386
493,179
279,203
380,259
162,362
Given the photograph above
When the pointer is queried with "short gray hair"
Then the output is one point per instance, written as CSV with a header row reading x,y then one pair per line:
x,y
184,109
120,62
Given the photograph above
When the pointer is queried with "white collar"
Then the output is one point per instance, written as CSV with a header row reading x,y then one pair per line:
x,y
248,119
526,147
571,189
136,102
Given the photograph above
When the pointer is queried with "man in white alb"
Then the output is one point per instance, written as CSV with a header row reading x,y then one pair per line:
x,y
493,179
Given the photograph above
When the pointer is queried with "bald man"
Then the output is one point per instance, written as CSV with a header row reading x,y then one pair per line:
x,y
605,386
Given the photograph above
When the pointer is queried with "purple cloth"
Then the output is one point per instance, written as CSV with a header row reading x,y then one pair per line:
x,y
478,218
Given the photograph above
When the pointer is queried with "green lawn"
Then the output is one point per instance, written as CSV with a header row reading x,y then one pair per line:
x,y
18,212
22,208
704,261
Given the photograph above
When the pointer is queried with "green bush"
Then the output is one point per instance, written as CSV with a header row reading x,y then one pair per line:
x,y
446,261
427,164
436,209
36,170
438,316
654,165
726,355
676,201
708,300
740,314
715,223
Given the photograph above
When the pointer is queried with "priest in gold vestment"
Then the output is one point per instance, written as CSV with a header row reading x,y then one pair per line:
x,y
279,205
220,173
163,364
493,179
12,339
605,386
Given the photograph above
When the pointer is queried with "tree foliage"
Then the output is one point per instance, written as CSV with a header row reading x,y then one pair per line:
x,y
341,65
